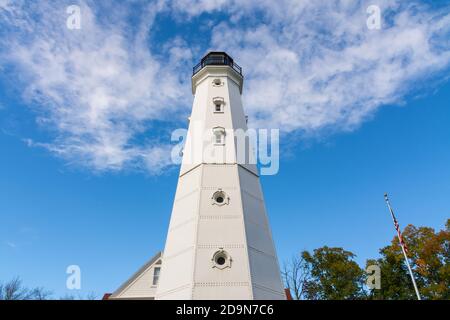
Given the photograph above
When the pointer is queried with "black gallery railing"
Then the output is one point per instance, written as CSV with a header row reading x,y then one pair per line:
x,y
217,60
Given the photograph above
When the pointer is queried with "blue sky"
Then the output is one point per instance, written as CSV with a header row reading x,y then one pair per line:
x,y
86,117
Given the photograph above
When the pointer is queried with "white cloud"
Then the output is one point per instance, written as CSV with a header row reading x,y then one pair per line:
x,y
194,8
5,4
309,66
97,88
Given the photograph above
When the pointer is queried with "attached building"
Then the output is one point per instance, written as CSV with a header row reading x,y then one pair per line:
x,y
141,285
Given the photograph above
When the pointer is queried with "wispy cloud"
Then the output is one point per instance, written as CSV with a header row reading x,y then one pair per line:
x,y
97,88
314,65
11,244
310,66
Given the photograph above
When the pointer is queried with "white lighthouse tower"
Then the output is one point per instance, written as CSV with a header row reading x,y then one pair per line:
x,y
219,244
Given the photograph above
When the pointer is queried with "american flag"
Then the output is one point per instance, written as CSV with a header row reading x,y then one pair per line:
x,y
399,234
397,227
403,244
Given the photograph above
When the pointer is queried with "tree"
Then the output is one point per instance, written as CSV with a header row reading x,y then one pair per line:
x,y
334,275
14,290
89,296
429,254
296,274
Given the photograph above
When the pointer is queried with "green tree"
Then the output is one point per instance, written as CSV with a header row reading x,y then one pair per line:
x,y
334,275
429,254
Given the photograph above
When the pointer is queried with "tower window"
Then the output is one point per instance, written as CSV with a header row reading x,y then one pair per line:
x,y
217,82
156,272
221,260
219,136
218,104
220,198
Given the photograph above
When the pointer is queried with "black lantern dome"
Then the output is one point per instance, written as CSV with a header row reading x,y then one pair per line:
x,y
217,58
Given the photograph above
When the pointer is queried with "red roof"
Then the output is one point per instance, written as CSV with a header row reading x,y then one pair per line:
x,y
288,294
106,296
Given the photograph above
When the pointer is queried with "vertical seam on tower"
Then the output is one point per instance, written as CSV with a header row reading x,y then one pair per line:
x,y
201,168
245,235
271,236
249,274
194,260
196,232
197,213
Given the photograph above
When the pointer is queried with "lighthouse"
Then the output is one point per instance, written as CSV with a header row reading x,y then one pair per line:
x,y
219,243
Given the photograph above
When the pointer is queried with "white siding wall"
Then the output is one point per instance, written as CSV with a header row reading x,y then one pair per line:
x,y
141,287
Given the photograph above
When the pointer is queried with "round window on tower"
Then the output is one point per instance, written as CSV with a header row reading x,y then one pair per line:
x,y
221,259
220,198
217,82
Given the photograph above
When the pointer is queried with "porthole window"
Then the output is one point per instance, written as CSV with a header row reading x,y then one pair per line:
x,y
219,136
217,82
218,103
221,259
220,198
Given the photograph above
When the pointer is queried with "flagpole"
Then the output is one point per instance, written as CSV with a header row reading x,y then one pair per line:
x,y
403,248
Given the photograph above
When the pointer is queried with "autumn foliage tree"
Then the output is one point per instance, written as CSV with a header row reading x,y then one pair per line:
x,y
332,273
429,254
